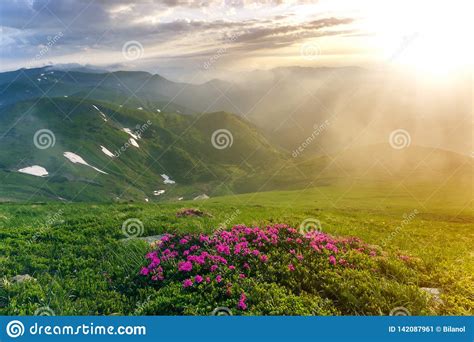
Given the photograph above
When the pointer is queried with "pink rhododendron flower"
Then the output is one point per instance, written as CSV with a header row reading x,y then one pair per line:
x,y
151,255
154,262
199,257
201,260
204,238
330,247
185,266
242,305
223,249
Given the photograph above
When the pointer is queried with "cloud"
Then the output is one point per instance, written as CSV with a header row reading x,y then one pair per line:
x,y
185,29
302,30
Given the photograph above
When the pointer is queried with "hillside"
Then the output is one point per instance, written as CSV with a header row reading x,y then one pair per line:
x,y
176,145
94,114
361,107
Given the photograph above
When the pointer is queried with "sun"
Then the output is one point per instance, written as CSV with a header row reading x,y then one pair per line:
x,y
430,55
423,36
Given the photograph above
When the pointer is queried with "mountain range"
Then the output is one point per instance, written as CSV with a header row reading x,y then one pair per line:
x,y
87,135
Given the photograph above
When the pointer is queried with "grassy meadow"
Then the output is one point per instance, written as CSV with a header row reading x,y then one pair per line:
x,y
83,264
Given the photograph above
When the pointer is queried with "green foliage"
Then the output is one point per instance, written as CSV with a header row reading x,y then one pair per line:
x,y
83,264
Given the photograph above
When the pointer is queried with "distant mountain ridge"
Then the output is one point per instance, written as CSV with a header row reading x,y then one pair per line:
x,y
285,103
117,133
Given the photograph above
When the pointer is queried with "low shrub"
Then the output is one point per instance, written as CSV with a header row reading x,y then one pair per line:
x,y
275,270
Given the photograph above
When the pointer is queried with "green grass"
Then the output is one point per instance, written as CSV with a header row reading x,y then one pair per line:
x,y
71,249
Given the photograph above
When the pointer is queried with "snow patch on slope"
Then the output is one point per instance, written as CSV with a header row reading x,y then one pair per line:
x,y
129,132
34,170
167,180
76,159
100,112
106,151
201,197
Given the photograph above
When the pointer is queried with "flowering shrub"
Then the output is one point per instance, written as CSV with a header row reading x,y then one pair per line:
x,y
228,266
190,212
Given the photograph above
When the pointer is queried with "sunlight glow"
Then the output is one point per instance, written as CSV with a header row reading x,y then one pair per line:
x,y
426,36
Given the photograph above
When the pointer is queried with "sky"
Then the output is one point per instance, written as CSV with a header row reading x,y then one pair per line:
x,y
184,38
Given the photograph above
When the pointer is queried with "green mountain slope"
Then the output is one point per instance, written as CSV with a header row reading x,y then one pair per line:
x,y
176,145
176,129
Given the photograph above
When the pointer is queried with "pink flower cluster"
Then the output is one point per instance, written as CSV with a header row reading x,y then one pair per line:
x,y
240,253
